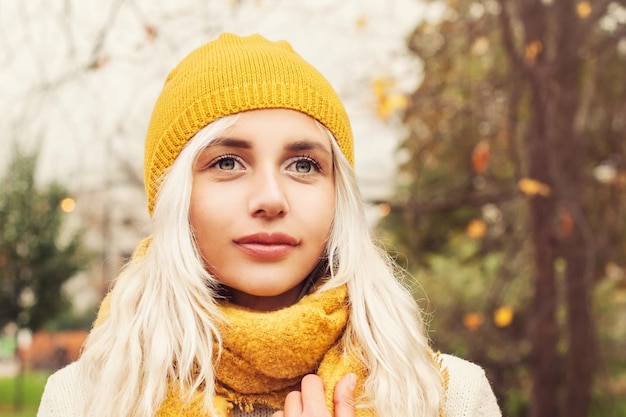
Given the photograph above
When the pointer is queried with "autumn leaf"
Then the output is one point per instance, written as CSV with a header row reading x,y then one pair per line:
x,y
67,205
476,229
389,105
480,157
583,9
480,46
150,31
503,316
99,62
532,187
532,50
380,87
567,222
384,209
473,321
386,103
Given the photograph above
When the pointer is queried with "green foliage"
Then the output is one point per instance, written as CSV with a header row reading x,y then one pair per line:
x,y
71,320
35,258
24,413
33,385
610,295
466,289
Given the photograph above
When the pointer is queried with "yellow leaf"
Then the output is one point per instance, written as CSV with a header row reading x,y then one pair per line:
x,y
384,209
380,86
383,110
532,187
480,46
532,50
503,316
398,102
361,22
473,321
583,9
68,205
476,229
386,103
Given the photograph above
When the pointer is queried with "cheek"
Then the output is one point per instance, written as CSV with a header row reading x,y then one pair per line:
x,y
322,212
210,204
205,214
206,226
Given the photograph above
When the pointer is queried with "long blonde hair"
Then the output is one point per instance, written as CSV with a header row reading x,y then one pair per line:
x,y
162,319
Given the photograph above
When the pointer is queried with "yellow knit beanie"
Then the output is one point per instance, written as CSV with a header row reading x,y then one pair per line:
x,y
229,75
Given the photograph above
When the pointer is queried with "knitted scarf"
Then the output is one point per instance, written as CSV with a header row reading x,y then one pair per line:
x,y
265,355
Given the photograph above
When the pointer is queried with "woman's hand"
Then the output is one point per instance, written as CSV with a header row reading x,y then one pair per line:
x,y
310,402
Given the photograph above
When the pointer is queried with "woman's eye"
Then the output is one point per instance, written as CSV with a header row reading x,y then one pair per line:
x,y
227,163
305,166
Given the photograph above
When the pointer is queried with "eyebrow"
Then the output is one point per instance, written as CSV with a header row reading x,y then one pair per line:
x,y
300,145
307,145
230,142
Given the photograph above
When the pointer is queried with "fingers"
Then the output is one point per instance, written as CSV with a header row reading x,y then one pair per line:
x,y
313,400
310,401
343,397
293,405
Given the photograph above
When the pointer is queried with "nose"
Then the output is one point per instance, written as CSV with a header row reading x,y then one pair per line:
x,y
267,196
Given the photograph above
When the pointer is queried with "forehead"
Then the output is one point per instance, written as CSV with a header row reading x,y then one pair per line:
x,y
281,130
282,123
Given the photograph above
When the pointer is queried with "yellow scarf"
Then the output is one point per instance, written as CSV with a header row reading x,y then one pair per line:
x,y
266,354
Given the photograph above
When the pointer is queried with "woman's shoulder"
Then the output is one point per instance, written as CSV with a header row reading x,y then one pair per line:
x,y
468,392
64,394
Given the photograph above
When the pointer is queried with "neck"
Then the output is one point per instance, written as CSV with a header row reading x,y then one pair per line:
x,y
265,303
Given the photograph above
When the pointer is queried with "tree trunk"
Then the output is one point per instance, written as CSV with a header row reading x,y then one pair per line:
x,y
543,330
576,244
544,334
580,363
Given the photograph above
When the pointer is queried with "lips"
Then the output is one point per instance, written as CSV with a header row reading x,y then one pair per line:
x,y
267,245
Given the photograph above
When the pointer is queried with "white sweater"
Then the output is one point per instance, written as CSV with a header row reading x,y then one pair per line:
x,y
469,393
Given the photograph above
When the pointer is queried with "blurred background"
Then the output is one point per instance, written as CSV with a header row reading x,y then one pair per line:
x,y
490,144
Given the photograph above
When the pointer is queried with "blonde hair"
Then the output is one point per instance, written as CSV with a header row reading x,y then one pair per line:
x,y
163,313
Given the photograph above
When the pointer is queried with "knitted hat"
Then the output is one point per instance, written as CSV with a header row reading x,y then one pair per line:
x,y
229,75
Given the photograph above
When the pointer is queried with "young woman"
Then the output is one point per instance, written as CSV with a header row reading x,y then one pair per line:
x,y
260,290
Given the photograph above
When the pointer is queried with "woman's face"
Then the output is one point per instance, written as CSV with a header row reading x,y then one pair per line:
x,y
262,205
